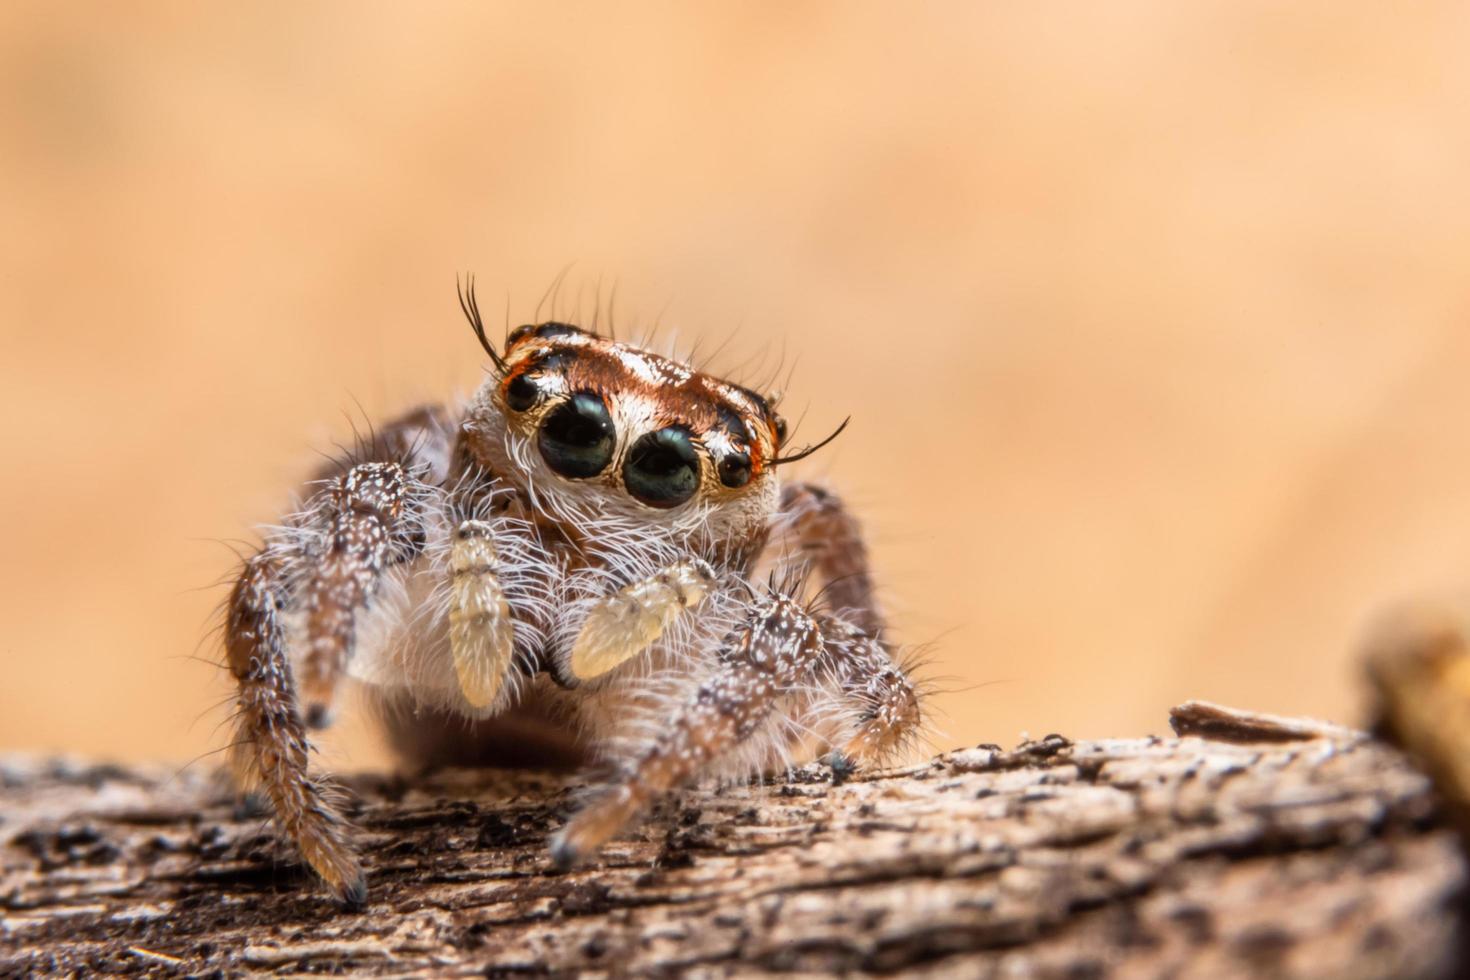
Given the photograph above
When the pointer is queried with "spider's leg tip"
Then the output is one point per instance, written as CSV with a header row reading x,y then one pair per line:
x,y
355,892
842,766
564,855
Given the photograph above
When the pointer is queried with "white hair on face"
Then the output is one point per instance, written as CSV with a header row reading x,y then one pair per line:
x,y
719,443
551,385
634,414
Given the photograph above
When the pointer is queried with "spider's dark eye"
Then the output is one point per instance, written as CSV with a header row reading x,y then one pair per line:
x,y
542,330
735,470
662,468
577,437
780,430
553,329
521,393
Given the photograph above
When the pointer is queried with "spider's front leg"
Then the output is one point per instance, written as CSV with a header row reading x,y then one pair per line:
x,y
328,569
867,705
271,749
776,651
364,519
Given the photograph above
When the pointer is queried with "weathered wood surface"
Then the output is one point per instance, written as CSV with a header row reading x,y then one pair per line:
x,y
1314,855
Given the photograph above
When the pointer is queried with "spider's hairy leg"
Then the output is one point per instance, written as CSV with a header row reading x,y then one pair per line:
x,y
365,514
831,540
774,652
866,691
314,577
874,701
271,748
481,634
623,625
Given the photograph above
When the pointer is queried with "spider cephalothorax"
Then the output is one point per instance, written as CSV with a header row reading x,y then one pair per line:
x,y
577,545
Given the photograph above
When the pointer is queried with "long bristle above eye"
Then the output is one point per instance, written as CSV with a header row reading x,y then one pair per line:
x,y
804,453
471,308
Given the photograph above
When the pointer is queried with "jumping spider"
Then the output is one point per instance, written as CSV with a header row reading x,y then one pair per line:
x,y
572,555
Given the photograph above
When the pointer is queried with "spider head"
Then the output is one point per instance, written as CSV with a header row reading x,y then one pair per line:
x,y
604,411
627,432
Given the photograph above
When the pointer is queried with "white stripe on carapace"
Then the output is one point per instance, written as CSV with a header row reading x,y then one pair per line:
x,y
739,396
650,368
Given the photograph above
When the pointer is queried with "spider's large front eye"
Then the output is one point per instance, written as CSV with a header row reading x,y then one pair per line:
x,y
577,437
662,468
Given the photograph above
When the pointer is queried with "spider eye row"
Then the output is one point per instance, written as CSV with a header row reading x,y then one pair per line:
x,y
578,439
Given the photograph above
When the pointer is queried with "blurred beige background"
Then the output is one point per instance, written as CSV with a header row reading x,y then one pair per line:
x,y
1153,318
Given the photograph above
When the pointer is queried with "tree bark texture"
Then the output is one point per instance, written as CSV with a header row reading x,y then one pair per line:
x,y
1270,848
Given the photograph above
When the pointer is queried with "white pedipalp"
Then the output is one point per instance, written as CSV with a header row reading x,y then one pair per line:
x,y
481,632
623,625
418,658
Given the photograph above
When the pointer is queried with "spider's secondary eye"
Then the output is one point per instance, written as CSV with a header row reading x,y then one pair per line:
x,y
735,470
553,329
542,330
662,468
521,393
577,437
780,429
